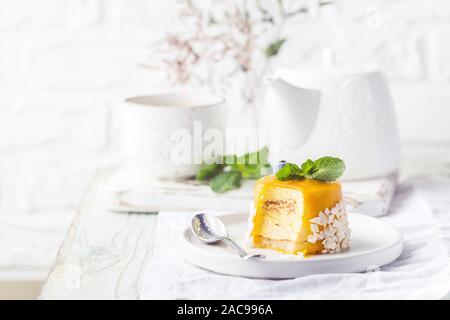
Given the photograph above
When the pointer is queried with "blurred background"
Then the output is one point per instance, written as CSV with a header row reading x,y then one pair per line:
x,y
65,66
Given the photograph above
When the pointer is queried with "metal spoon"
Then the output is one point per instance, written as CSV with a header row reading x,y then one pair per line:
x,y
211,229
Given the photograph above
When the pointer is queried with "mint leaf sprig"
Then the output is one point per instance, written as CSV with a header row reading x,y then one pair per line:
x,y
226,181
325,169
290,171
228,171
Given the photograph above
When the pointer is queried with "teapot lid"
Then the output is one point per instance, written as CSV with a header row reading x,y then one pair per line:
x,y
313,76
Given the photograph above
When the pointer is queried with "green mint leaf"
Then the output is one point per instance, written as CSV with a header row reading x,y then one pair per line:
x,y
254,171
253,165
252,158
328,169
226,181
228,171
229,159
308,168
273,48
263,155
290,172
325,169
208,171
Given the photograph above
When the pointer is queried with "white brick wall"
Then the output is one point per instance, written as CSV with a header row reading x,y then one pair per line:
x,y
66,64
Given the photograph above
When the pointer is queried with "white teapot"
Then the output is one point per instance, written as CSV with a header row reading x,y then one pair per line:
x,y
341,111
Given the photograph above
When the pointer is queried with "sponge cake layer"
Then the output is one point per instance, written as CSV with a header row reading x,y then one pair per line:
x,y
284,210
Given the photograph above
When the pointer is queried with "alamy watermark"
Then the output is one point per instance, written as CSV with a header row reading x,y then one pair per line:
x,y
199,145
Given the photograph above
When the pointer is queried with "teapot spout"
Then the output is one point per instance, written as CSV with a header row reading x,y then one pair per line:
x,y
291,110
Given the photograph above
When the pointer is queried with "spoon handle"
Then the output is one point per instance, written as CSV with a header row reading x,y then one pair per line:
x,y
241,252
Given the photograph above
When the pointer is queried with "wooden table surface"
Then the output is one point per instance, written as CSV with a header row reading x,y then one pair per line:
x,y
103,256
105,253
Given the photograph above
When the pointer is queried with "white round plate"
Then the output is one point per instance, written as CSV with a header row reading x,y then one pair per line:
x,y
373,243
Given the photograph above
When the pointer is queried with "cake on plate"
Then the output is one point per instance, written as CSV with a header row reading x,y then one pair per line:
x,y
300,210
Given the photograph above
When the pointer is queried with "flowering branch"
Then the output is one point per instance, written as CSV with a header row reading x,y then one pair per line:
x,y
218,38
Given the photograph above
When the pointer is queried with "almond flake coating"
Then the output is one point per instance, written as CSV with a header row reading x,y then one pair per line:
x,y
331,228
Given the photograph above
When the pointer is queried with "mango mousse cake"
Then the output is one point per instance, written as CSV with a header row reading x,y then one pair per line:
x,y
300,209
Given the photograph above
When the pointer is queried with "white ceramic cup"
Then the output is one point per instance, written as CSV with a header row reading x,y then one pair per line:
x,y
151,127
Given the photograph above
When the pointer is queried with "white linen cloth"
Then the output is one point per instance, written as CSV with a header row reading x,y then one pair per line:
x,y
421,272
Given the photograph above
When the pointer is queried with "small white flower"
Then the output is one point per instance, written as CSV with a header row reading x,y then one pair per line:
x,y
335,233
340,235
329,231
329,244
323,218
337,224
331,218
344,244
312,239
314,228
316,220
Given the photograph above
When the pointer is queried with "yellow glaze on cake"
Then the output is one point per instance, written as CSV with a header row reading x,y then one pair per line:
x,y
283,213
